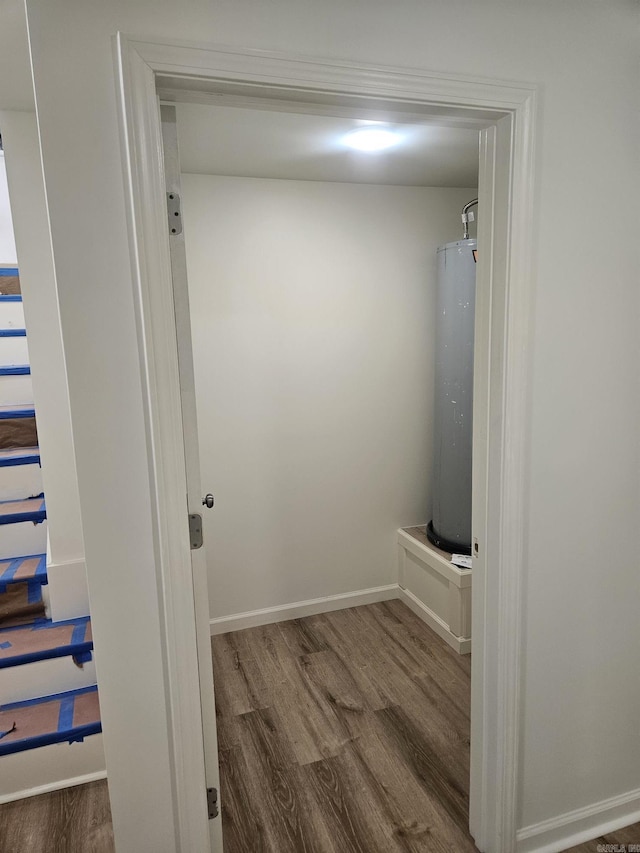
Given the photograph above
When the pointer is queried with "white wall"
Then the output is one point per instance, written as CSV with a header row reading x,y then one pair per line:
x,y
8,255
312,315
580,694
65,557
16,87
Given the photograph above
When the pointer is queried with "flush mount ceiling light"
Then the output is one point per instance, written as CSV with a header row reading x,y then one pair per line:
x,y
371,139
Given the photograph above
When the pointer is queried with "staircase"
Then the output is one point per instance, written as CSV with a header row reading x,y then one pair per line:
x,y
48,691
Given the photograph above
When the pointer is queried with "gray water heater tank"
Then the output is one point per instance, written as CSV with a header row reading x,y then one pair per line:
x,y
450,527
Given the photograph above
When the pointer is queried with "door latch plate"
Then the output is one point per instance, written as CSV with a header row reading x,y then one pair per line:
x,y
212,802
174,213
195,530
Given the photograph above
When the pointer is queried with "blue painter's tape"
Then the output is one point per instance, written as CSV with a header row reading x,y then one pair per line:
x,y
78,734
15,370
5,645
42,624
10,571
10,297
83,657
41,571
34,593
65,717
35,517
78,633
9,271
20,412
37,514
13,333
77,646
40,700
31,458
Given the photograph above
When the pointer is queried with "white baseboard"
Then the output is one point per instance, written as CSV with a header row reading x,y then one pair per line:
x,y
298,609
579,826
461,644
51,768
54,786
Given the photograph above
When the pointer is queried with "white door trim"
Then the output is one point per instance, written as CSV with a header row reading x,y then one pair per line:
x,y
496,705
151,267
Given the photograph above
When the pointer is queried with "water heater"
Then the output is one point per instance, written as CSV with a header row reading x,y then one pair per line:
x,y
450,527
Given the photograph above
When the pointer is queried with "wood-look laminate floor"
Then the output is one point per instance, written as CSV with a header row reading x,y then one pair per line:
x,y
75,820
621,838
343,732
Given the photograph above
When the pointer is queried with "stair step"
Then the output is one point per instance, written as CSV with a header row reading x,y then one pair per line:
x,y
30,509
12,314
43,639
21,597
44,678
13,333
26,410
23,569
16,483
20,476
21,604
15,369
12,412
18,429
10,272
25,538
14,349
16,390
19,456
70,716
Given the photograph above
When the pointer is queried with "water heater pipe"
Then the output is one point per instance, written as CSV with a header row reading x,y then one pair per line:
x,y
467,217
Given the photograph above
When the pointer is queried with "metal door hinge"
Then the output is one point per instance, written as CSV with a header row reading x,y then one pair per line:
x,y
174,213
195,530
212,802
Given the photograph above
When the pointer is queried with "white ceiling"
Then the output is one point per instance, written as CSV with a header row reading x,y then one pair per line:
x,y
263,143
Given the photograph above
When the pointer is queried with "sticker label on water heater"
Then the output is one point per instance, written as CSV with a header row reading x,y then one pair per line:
x,y
463,561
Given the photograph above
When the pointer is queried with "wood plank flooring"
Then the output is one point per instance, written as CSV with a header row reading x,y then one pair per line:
x,y
75,820
621,838
346,731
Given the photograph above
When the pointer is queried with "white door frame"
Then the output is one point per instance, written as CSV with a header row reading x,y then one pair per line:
x,y
501,415
194,503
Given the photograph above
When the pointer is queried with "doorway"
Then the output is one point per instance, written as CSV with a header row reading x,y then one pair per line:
x,y
503,245
311,274
312,290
